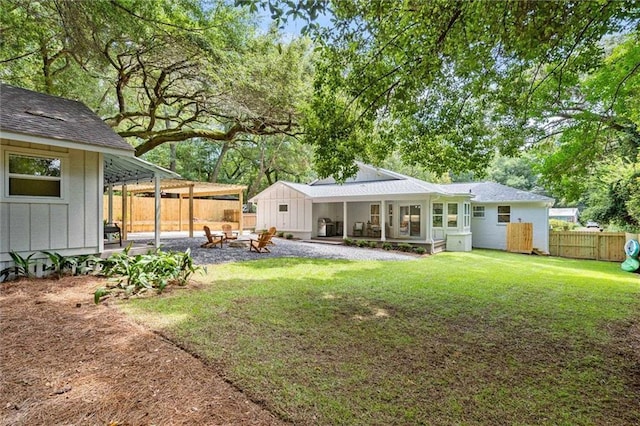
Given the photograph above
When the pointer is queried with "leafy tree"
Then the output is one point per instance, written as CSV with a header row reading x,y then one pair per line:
x,y
449,82
158,71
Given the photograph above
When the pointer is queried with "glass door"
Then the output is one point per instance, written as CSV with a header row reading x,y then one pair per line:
x,y
410,221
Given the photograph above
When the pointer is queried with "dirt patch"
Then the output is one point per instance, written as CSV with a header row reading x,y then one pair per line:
x,y
64,360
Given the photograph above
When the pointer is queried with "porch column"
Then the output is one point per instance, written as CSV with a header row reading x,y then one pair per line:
x,y
427,215
110,206
158,199
344,220
240,217
383,221
190,211
123,228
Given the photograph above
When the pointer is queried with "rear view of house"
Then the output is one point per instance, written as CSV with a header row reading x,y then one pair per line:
x,y
388,206
56,156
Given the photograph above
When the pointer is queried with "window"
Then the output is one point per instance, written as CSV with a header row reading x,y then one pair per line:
x,y
283,208
452,215
478,211
438,209
34,176
467,215
390,220
504,214
375,214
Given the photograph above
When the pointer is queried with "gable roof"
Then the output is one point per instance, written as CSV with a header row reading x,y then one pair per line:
x,y
26,112
491,192
563,211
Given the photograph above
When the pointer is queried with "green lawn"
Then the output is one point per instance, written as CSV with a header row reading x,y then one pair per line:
x,y
457,338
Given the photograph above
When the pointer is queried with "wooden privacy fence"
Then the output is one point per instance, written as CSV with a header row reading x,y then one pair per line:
x,y
588,245
174,213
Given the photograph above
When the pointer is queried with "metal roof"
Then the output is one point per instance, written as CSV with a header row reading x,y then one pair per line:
x,y
123,169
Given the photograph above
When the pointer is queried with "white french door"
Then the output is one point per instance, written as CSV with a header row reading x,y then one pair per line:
x,y
410,220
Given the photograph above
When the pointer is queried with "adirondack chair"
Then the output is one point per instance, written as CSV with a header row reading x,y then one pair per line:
x,y
272,233
260,245
212,240
228,233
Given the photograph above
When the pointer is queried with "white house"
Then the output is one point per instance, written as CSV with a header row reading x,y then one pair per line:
x,y
56,159
568,214
396,207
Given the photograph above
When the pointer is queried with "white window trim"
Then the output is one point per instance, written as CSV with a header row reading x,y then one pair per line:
x,y
371,215
433,215
457,216
473,212
498,214
64,180
466,214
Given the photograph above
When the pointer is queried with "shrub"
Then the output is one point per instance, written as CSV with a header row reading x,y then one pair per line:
x,y
137,274
562,225
387,246
61,265
373,244
420,250
348,242
280,234
289,236
405,247
362,243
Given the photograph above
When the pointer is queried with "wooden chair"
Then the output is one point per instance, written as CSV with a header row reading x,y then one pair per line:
x,y
272,233
260,245
228,232
212,240
358,229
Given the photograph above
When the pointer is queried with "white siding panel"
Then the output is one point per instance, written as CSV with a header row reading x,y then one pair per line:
x,y
19,227
76,200
4,228
59,226
92,214
40,227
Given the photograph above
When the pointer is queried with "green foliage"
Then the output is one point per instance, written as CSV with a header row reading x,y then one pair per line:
x,y
387,246
289,236
405,247
420,250
280,234
362,243
373,244
348,241
61,265
21,268
561,225
140,273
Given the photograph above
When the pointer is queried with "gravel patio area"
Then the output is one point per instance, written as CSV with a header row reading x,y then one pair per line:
x,y
282,248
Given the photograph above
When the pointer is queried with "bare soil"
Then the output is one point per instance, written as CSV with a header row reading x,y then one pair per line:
x,y
66,361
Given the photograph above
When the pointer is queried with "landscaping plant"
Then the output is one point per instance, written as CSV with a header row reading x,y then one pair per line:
x,y
137,274
21,267
60,265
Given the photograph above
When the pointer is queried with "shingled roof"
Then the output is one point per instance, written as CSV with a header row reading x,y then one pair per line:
x,y
491,192
31,113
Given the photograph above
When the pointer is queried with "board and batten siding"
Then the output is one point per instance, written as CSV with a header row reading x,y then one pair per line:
x,y
488,233
297,218
69,225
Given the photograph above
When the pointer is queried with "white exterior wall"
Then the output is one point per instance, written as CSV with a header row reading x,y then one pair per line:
x,y
70,225
296,220
487,233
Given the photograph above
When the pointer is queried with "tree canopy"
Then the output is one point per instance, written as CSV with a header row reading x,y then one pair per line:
x,y
158,71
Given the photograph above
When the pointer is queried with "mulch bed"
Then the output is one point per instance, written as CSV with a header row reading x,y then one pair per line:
x,y
64,360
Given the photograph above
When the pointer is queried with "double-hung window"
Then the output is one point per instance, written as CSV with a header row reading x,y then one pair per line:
x,y
452,215
504,214
467,215
436,214
478,212
34,176
374,217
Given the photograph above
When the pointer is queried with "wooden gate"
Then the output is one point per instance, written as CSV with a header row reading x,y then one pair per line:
x,y
520,237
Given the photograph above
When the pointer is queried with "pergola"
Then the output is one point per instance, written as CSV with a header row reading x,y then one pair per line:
x,y
186,190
